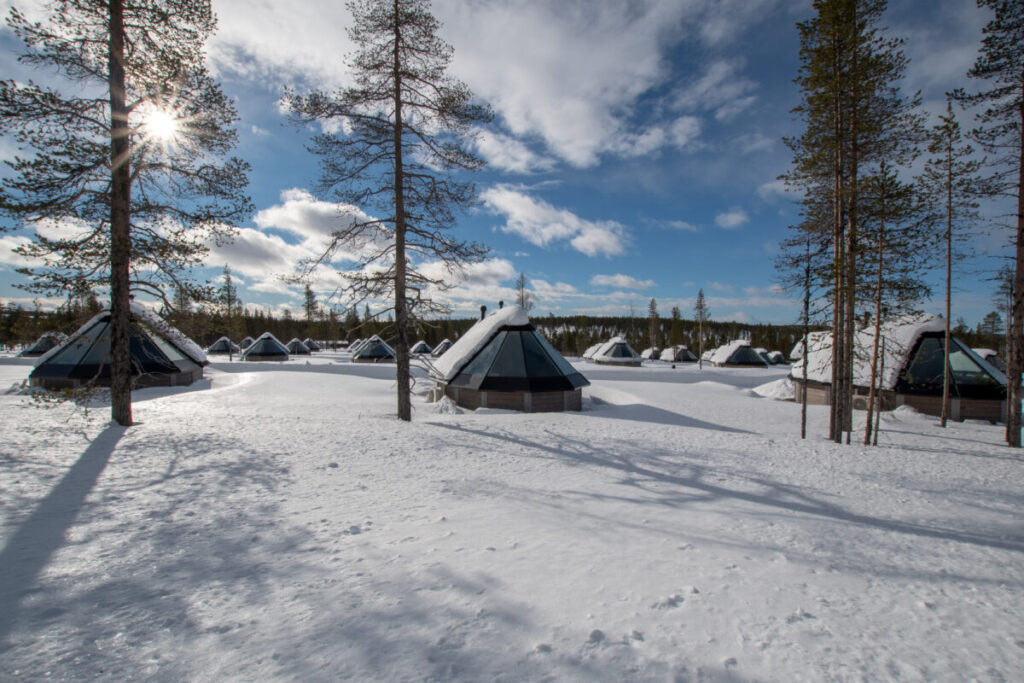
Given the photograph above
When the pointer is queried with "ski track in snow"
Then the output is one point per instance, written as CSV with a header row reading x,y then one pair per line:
x,y
275,522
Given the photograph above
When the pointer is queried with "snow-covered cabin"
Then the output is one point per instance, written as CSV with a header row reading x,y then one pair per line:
x,y
161,355
798,349
46,341
678,354
993,358
650,353
591,350
441,348
617,351
265,348
310,344
503,362
910,373
373,350
420,348
222,345
297,348
776,358
737,353
245,343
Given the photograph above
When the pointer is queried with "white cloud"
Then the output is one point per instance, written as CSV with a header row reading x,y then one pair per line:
x,y
8,243
732,219
547,290
683,225
720,287
542,224
620,281
776,188
567,73
510,154
719,89
753,142
260,132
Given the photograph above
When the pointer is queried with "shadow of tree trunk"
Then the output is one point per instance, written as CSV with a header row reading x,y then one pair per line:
x,y
30,548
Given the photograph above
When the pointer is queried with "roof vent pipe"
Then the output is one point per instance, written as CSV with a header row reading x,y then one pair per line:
x,y
483,312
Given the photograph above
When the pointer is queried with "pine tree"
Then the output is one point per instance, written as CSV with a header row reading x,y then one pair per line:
x,y
653,323
894,243
701,314
675,335
951,186
405,120
854,117
523,298
126,156
1001,136
310,306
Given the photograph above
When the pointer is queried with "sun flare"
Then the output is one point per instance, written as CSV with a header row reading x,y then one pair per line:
x,y
161,125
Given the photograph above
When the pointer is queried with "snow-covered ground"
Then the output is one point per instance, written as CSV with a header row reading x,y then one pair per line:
x,y
275,522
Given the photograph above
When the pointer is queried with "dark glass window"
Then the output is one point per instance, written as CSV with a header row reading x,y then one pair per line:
x,y
483,360
510,361
746,356
538,363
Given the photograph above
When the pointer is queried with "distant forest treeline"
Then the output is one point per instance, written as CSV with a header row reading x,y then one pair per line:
x,y
569,334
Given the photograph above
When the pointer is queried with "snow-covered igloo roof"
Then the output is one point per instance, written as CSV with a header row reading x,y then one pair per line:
x,y
900,334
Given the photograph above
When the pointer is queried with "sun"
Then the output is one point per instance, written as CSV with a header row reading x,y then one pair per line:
x,y
161,126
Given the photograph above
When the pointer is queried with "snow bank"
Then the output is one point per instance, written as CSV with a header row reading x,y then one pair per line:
x,y
780,390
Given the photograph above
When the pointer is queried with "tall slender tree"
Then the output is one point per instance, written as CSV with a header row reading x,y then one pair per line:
x,y
894,241
701,313
128,183
854,116
653,323
1001,135
404,123
523,297
952,188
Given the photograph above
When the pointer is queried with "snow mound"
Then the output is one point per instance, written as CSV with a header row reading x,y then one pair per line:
x,y
780,390
446,406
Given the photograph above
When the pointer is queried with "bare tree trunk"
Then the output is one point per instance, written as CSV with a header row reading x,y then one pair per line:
x,y
120,231
807,335
1016,338
872,394
878,413
944,415
849,350
401,303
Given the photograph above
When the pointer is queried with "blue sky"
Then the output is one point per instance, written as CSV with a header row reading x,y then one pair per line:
x,y
634,151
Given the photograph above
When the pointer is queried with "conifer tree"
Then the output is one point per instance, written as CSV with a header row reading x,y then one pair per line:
x,y
700,313
951,186
1001,135
523,298
854,117
126,182
894,241
404,124
652,323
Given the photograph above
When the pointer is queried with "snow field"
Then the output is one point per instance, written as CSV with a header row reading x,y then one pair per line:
x,y
277,523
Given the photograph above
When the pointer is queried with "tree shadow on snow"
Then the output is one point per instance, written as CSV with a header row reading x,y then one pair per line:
x,y
643,412
30,548
639,467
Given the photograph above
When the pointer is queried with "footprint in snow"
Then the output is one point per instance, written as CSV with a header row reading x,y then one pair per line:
x,y
798,615
669,602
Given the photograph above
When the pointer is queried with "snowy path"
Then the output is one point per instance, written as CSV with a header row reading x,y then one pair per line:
x,y
280,524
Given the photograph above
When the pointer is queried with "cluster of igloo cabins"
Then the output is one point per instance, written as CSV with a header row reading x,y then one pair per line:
x,y
503,362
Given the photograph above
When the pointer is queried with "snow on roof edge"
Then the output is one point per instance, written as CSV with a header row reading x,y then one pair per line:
x,y
461,352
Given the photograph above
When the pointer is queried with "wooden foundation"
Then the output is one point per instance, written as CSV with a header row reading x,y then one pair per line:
x,y
523,401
